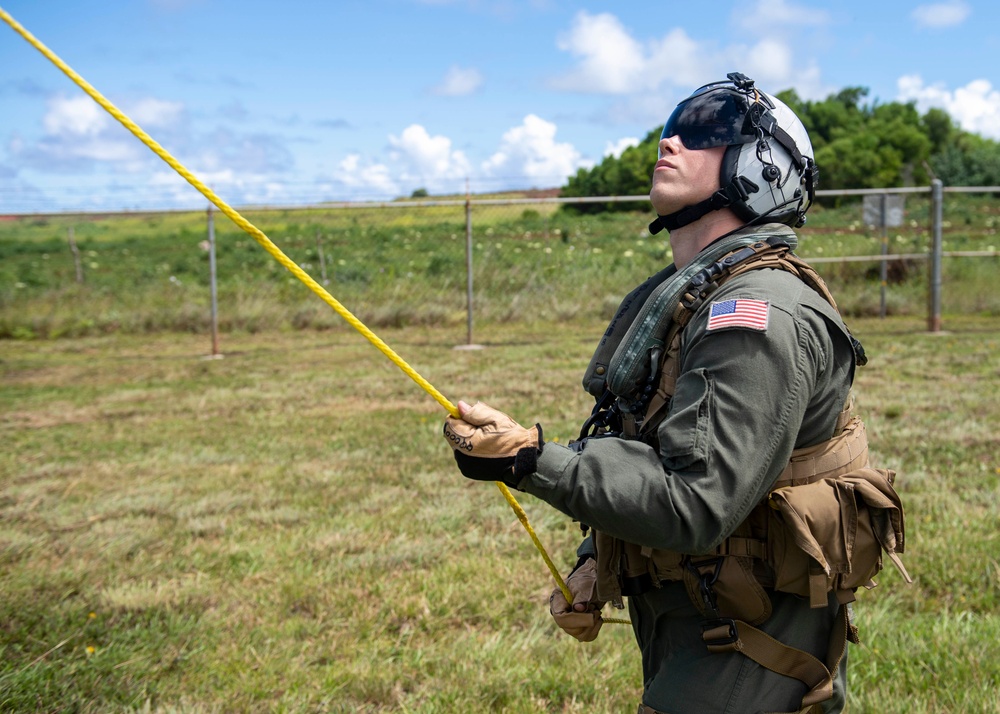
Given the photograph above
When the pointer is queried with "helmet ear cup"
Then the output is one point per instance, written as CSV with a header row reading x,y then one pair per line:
x,y
730,168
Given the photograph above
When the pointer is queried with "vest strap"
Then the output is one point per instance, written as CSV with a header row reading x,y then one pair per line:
x,y
726,636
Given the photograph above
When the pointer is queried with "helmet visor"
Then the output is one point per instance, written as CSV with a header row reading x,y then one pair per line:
x,y
712,116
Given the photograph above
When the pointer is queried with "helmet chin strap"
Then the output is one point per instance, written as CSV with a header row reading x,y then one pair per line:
x,y
739,189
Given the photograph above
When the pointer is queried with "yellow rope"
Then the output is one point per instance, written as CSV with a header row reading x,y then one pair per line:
x,y
276,253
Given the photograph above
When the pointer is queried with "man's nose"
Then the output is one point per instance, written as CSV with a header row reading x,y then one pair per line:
x,y
669,145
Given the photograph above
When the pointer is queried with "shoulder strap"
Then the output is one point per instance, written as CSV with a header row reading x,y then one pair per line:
x,y
597,373
701,285
621,362
769,253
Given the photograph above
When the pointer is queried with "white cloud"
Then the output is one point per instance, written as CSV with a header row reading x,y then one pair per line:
x,y
769,62
942,14
80,137
151,112
616,148
527,154
459,82
77,116
774,66
611,60
365,177
531,151
976,106
416,160
679,60
77,133
425,158
766,15
237,187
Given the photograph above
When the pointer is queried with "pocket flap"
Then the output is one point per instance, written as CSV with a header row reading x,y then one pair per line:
x,y
874,486
815,516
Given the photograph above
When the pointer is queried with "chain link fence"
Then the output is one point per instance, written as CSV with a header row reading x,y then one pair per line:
x,y
462,263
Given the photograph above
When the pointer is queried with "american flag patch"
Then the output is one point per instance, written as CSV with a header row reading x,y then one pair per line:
x,y
738,313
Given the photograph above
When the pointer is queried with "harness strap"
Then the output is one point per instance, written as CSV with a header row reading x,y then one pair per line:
x,y
742,547
692,297
764,254
739,189
725,636
595,379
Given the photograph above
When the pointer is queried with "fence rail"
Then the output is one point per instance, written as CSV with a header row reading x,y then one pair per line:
x,y
479,214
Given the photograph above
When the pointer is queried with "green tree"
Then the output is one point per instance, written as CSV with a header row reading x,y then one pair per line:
x,y
625,175
968,160
856,145
938,127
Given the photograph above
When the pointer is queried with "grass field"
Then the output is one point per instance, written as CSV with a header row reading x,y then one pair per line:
x,y
284,529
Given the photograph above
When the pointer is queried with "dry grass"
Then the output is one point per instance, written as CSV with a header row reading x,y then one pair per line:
x,y
283,529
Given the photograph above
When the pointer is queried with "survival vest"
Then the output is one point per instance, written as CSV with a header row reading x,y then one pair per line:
x,y
822,528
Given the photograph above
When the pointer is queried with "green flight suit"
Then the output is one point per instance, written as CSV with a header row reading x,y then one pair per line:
x,y
745,398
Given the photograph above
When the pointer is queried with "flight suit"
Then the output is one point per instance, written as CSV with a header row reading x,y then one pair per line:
x,y
747,394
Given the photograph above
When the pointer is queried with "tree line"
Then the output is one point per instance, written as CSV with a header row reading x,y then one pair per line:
x,y
856,145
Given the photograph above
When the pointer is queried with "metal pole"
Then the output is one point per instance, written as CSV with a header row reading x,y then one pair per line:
x,y
937,201
884,269
468,264
322,258
212,282
76,256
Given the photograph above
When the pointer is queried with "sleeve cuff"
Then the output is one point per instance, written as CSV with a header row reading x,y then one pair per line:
x,y
550,464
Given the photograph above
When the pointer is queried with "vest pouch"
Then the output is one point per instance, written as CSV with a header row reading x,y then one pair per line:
x,y
667,565
829,535
884,508
738,593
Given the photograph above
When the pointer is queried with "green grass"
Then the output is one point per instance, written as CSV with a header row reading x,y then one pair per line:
x,y
284,529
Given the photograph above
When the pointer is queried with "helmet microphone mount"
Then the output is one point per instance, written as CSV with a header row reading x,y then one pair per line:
x,y
741,81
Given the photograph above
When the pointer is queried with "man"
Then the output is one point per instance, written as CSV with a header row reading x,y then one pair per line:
x,y
703,395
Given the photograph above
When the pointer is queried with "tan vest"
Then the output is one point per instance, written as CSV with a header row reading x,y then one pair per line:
x,y
823,527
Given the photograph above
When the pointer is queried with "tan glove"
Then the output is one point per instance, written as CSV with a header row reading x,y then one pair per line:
x,y
490,446
582,584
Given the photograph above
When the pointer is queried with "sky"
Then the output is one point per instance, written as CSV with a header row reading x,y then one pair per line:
x,y
296,102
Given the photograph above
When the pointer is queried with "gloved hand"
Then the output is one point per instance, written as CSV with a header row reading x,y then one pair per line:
x,y
583,618
490,446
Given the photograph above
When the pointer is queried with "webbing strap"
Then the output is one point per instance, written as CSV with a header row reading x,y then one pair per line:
x,y
751,257
737,636
741,547
761,255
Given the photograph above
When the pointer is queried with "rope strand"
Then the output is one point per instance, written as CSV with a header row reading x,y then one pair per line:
x,y
279,256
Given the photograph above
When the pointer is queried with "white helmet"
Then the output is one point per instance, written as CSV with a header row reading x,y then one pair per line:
x,y
768,172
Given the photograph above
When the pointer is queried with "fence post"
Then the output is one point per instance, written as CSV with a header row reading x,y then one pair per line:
x,y
883,272
322,258
76,256
212,284
468,265
937,201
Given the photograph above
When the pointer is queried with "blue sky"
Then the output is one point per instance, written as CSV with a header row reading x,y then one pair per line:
x,y
295,102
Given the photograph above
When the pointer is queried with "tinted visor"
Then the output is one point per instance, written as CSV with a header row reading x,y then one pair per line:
x,y
712,116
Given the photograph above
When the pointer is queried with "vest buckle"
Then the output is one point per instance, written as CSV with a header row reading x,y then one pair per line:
x,y
707,572
720,632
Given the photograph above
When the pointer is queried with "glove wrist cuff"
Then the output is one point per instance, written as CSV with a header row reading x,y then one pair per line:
x,y
526,460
